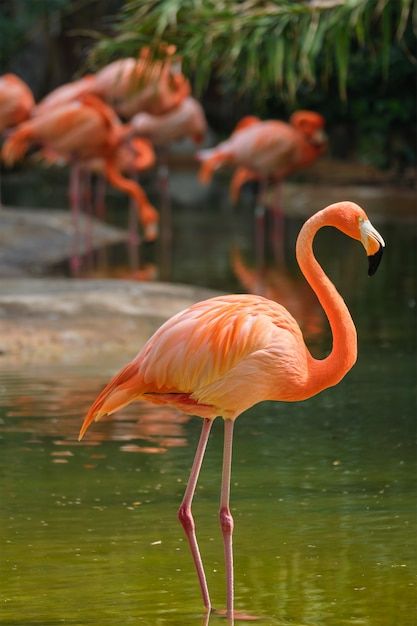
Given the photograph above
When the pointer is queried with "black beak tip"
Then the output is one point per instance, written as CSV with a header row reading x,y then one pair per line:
x,y
374,261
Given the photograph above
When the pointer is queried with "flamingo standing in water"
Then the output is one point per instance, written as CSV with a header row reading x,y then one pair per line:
x,y
131,157
267,151
221,356
79,131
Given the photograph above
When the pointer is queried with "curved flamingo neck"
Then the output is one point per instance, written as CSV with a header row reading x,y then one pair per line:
x,y
326,372
130,187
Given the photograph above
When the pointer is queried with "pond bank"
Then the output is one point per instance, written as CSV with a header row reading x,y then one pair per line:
x,y
34,239
74,320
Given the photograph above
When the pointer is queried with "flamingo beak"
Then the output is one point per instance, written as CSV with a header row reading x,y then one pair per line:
x,y
373,244
319,138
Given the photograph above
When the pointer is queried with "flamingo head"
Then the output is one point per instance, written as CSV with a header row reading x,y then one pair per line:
x,y
352,220
311,125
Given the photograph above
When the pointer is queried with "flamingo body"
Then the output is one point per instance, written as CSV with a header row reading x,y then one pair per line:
x,y
131,85
64,94
186,120
75,130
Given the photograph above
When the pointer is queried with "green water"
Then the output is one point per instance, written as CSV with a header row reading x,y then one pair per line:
x,y
323,492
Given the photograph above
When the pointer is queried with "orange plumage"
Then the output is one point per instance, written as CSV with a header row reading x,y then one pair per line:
x,y
266,149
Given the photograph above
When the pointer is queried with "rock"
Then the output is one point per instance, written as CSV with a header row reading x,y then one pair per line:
x,y
81,320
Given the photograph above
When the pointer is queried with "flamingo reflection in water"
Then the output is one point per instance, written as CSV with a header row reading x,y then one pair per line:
x,y
147,429
221,356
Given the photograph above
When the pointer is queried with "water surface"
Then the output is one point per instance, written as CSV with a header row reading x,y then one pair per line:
x,y
323,491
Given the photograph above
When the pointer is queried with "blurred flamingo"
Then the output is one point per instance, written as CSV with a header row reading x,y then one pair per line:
x,y
64,94
221,356
80,131
132,156
129,85
187,119
138,84
267,151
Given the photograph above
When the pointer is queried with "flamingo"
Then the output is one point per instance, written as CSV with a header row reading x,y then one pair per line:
x,y
221,356
268,151
263,149
79,131
132,156
186,120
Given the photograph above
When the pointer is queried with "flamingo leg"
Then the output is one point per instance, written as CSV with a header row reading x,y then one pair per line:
x,y
277,233
185,516
226,519
260,225
100,211
166,215
87,203
133,238
75,262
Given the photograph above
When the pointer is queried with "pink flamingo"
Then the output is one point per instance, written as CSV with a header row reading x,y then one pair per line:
x,y
221,356
79,131
138,84
267,151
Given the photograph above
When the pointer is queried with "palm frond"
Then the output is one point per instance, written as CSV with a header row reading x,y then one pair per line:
x,y
261,46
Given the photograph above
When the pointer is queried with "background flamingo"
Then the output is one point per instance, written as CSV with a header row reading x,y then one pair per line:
x,y
143,84
64,94
221,356
131,157
80,131
267,151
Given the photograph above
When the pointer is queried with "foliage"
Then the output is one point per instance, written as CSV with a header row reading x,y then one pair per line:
x,y
17,20
262,46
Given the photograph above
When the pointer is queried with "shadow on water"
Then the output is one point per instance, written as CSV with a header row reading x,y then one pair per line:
x,y
322,491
